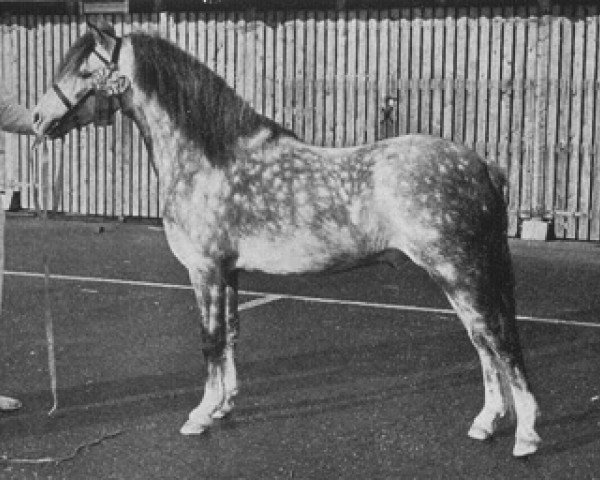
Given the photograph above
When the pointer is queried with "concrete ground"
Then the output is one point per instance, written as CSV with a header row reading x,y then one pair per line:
x,y
380,382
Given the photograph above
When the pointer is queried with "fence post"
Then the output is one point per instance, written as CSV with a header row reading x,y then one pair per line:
x,y
540,152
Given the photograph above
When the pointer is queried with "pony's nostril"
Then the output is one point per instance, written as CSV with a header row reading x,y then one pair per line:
x,y
36,117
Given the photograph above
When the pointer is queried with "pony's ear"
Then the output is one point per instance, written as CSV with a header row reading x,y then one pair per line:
x,y
96,32
102,31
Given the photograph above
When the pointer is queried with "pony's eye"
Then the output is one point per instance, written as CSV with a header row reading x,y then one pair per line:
x,y
85,74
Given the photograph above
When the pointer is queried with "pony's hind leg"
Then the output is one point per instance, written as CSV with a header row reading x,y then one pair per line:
x,y
232,322
496,400
485,304
210,292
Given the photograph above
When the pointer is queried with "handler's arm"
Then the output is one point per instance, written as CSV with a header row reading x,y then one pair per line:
x,y
14,118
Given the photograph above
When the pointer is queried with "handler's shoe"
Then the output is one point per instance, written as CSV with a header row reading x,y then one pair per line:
x,y
7,403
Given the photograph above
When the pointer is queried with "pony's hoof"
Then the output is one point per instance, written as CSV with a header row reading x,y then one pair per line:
x,y
477,432
194,427
7,403
526,446
222,412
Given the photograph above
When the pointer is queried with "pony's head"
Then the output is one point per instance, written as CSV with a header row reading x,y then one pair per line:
x,y
88,86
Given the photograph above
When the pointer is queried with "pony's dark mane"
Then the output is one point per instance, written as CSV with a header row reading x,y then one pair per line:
x,y
202,105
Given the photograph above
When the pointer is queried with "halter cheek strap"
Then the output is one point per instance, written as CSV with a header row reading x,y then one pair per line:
x,y
63,98
115,53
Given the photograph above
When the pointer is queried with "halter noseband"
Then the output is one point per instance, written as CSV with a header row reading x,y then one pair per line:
x,y
109,64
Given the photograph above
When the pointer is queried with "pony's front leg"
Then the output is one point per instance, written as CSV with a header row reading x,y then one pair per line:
x,y
210,291
232,326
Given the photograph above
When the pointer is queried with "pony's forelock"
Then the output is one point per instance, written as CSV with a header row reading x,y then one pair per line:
x,y
79,51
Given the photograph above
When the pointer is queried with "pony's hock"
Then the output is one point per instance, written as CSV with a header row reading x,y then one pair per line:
x,y
242,192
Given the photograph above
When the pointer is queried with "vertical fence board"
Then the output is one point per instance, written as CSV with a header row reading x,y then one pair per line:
x,y
595,179
5,162
330,78
517,119
384,50
13,143
288,112
472,72
425,74
298,85
30,92
528,166
494,82
90,178
563,144
201,34
371,77
134,181
259,63
70,146
121,190
220,40
414,122
211,42
553,112
506,93
230,48
576,122
320,85
270,60
148,176
352,72
130,167
439,62
404,73
448,75
20,91
460,82
541,116
590,76
139,169
309,80
483,82
150,203
279,67
340,79
86,166
58,170
393,58
240,32
192,33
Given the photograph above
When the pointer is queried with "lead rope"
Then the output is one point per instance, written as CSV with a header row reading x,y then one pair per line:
x,y
42,213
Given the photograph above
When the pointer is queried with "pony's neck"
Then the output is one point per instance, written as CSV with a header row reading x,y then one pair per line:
x,y
168,147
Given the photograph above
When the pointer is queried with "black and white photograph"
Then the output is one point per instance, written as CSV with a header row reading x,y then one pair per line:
x,y
299,239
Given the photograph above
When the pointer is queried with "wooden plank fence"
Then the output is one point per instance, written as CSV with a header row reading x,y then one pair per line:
x,y
520,87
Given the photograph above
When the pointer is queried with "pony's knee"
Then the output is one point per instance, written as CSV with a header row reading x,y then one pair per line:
x,y
213,344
